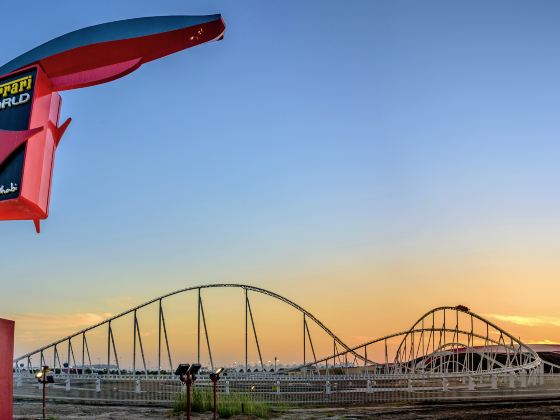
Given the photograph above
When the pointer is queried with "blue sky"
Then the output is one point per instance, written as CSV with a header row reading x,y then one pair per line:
x,y
319,141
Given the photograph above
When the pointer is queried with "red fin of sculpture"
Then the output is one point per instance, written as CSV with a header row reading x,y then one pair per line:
x,y
58,132
11,140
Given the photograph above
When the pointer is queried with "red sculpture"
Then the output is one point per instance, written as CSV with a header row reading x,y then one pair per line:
x,y
30,104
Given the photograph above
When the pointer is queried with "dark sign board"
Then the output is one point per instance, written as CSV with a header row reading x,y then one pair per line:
x,y
16,97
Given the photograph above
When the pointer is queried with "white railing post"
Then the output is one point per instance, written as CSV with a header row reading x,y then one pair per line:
x,y
523,375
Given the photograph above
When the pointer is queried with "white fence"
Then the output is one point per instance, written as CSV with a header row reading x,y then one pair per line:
x,y
296,390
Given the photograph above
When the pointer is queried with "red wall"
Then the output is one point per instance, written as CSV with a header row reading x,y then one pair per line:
x,y
6,364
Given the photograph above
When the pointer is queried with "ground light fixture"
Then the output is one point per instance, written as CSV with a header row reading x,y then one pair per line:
x,y
43,378
187,375
215,377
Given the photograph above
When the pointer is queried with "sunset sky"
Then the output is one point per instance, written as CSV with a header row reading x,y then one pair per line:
x,y
367,159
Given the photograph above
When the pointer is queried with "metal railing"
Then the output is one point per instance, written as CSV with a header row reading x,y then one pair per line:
x,y
297,390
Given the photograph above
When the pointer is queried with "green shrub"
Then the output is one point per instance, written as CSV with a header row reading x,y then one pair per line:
x,y
201,400
180,404
228,405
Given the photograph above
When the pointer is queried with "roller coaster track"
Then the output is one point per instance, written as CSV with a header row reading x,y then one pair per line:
x,y
247,288
442,341
518,356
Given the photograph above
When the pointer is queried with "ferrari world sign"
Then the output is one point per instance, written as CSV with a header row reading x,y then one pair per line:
x,y
30,103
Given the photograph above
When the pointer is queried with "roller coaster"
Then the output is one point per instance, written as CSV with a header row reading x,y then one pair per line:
x,y
449,348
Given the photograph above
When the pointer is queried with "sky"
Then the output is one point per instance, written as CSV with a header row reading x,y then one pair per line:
x,y
369,160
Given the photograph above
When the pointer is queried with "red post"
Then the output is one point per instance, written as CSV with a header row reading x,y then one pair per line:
x,y
189,381
6,368
214,383
44,379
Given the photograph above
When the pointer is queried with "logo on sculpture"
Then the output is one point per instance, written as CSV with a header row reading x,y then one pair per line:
x,y
13,188
9,92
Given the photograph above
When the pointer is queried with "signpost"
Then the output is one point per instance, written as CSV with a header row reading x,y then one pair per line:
x,y
26,155
6,368
30,103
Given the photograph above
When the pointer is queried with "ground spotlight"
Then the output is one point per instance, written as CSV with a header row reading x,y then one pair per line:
x,y
193,370
182,370
187,375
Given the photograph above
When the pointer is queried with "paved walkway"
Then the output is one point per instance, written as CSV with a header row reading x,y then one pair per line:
x,y
509,411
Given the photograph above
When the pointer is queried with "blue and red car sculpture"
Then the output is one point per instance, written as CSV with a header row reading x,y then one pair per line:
x,y
30,103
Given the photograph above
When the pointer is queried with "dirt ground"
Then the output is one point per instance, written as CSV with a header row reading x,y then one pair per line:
x,y
510,411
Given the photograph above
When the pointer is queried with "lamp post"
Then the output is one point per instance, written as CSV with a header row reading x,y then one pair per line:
x,y
215,377
42,378
187,375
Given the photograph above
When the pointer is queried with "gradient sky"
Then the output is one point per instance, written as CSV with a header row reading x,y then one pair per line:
x,y
368,159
